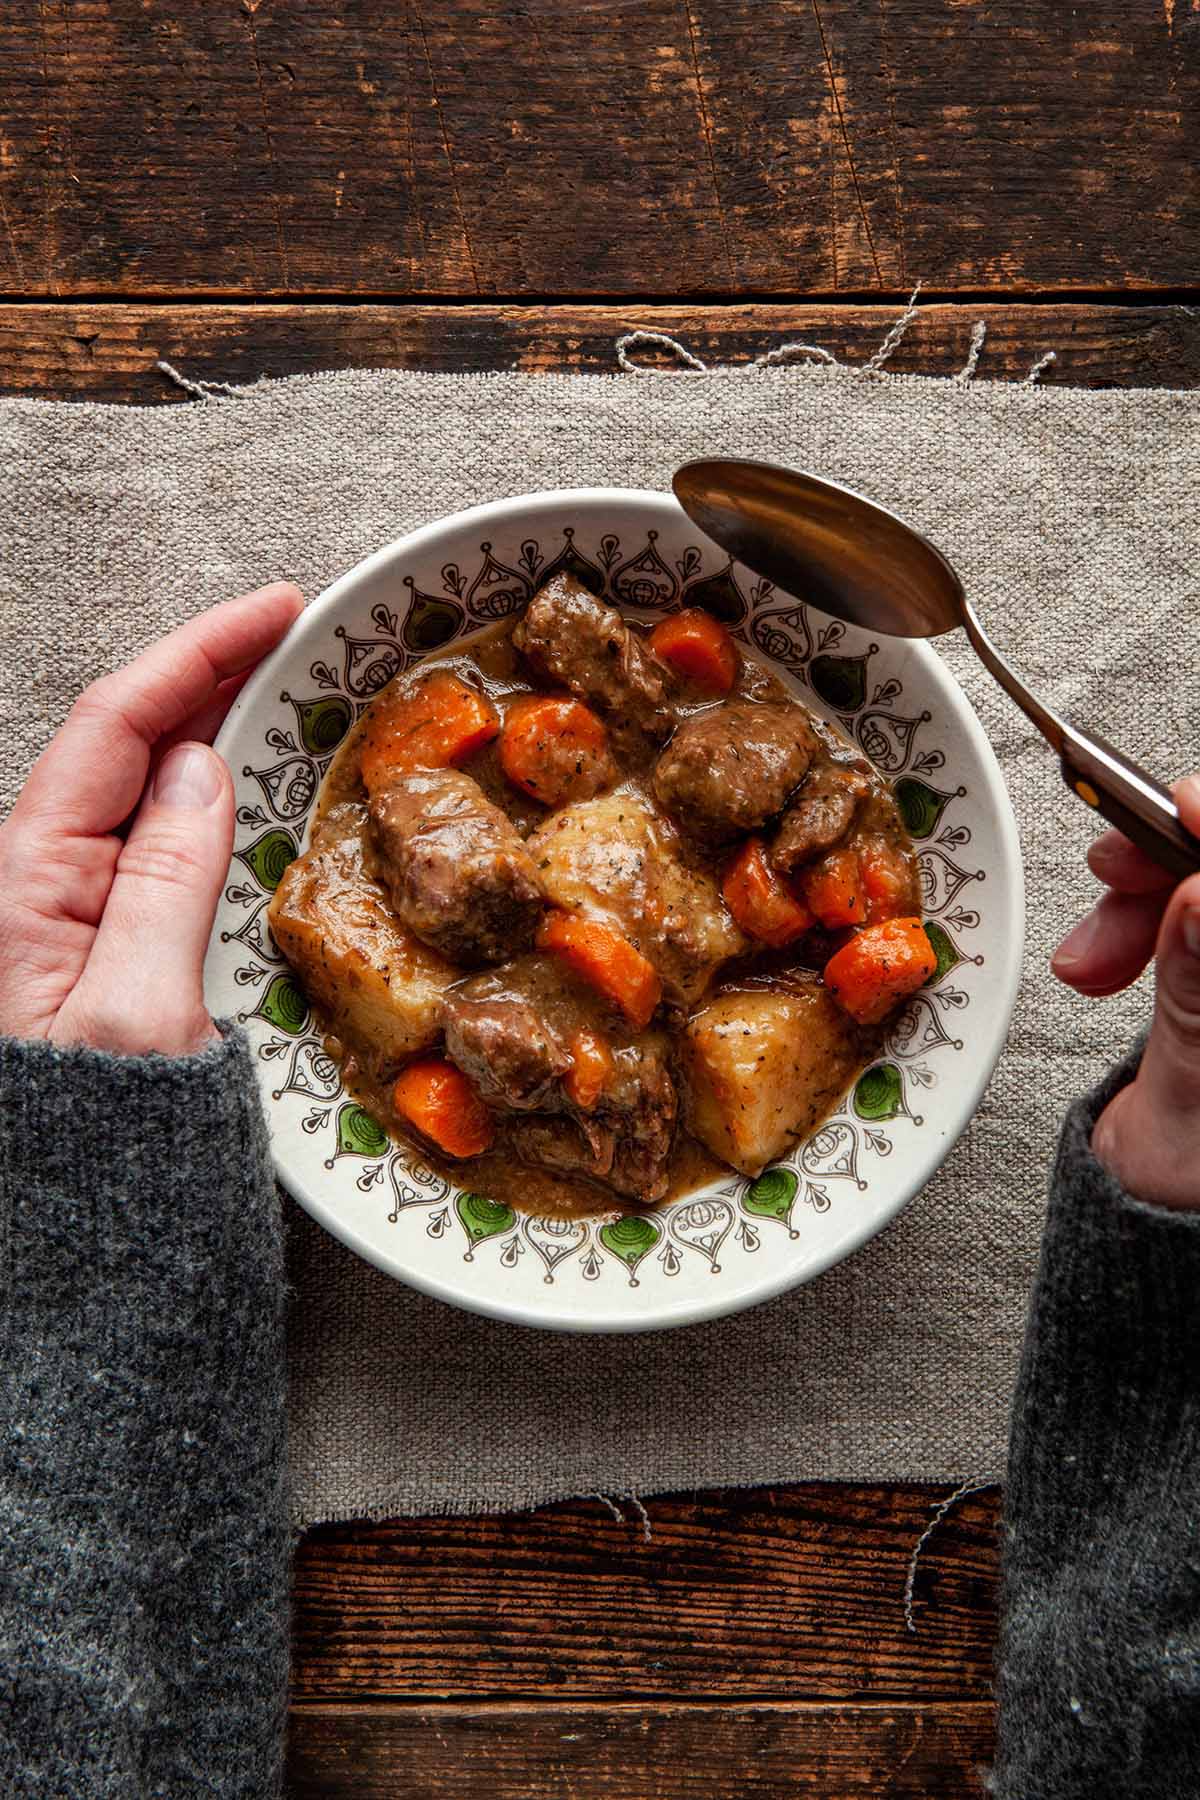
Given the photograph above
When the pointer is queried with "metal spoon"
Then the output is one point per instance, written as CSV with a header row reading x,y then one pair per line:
x,y
854,559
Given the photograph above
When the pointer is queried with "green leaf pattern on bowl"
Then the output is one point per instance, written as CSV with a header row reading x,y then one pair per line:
x,y
482,1218
268,856
879,1093
284,1005
772,1195
323,722
359,1134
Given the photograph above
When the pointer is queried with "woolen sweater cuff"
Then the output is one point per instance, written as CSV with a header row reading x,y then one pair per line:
x,y
1100,1648
142,1169
143,1483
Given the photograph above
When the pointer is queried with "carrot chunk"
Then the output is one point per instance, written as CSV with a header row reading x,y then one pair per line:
x,y
438,1101
607,960
763,907
699,648
555,750
591,1067
879,967
886,880
435,725
833,888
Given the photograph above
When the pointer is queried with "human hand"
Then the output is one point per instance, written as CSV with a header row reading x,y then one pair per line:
x,y
1149,1134
103,930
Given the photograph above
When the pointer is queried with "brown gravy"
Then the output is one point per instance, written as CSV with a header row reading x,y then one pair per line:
x,y
491,662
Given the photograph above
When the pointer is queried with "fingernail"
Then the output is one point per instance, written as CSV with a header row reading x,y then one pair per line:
x,y
1076,944
1189,926
1189,789
188,776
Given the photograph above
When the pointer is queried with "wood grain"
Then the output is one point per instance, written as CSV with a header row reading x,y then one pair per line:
x,y
517,147
636,1753
793,1593
109,352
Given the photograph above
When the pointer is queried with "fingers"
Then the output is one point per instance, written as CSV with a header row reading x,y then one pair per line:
x,y
1109,948
204,725
1150,1136
89,779
1173,1051
142,987
1187,799
1120,865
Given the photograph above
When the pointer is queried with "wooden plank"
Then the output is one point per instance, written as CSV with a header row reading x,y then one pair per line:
x,y
519,147
636,1753
791,1593
109,352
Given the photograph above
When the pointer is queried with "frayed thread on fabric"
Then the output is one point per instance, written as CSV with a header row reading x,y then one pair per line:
x,y
663,342
894,337
810,353
978,333
783,353
642,1516
200,390
690,364
943,1507
787,353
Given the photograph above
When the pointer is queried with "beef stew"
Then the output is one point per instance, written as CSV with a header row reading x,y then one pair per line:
x,y
594,913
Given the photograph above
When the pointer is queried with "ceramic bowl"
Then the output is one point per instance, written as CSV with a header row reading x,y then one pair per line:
x,y
736,1242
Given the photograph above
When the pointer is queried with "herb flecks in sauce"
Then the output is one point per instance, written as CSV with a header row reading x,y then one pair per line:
x,y
411,924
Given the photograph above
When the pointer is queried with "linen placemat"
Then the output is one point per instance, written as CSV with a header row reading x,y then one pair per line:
x,y
1072,518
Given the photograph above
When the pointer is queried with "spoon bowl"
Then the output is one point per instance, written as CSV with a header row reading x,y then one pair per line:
x,y
855,559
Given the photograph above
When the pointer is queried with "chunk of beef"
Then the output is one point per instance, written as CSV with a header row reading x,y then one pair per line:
x,y
559,1144
379,986
820,815
456,870
616,859
511,1030
571,637
730,769
627,1148
642,1105
628,1153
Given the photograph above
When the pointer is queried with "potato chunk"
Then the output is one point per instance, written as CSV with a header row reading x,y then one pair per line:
x,y
380,987
616,859
762,1068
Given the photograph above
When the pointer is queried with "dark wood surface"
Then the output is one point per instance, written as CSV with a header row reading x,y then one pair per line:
x,y
268,187
755,1645
780,1595
105,351
628,1751
590,147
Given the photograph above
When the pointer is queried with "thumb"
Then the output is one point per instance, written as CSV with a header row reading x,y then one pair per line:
x,y
1150,1135
142,987
1172,1060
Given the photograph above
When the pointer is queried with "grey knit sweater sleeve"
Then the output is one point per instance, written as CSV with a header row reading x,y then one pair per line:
x,y
143,1523
1100,1653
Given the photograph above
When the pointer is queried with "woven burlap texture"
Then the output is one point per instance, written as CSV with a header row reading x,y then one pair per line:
x,y
1072,518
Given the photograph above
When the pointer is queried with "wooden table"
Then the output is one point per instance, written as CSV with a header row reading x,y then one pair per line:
x,y
275,186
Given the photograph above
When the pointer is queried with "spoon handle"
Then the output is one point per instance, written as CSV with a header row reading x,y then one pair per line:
x,y
1110,783
1129,799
